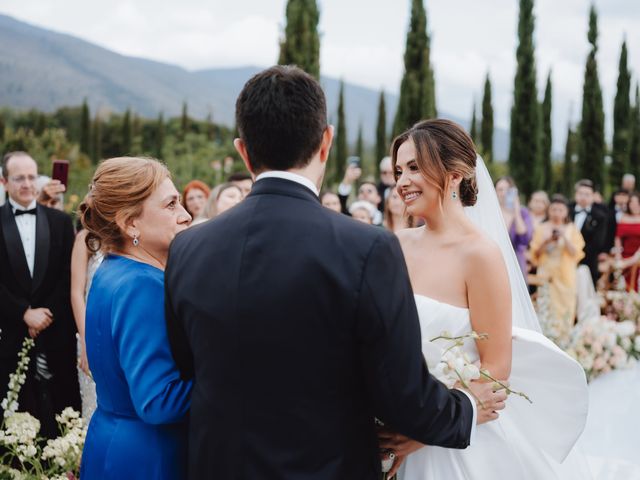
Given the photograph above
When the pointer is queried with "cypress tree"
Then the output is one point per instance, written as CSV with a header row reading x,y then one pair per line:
x,y
566,184
473,130
634,148
184,120
301,43
524,136
2,128
341,139
96,140
85,129
486,128
210,127
417,89
591,152
41,124
546,138
360,144
382,144
159,137
126,133
621,122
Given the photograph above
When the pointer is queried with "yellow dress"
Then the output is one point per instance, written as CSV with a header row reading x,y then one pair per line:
x,y
559,267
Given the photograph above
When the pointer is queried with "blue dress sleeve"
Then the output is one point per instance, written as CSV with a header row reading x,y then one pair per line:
x,y
140,336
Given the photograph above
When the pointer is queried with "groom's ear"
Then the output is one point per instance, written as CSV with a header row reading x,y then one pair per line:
x,y
241,147
325,144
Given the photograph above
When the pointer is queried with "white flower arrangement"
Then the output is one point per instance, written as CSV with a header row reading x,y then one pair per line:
x,y
25,457
601,345
448,362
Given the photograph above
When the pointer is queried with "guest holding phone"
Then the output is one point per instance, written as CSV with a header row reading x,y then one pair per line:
x,y
557,248
516,218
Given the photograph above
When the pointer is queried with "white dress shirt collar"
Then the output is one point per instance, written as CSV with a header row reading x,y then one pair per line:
x,y
293,177
16,206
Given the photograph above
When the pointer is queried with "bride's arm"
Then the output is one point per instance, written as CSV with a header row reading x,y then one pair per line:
x,y
489,295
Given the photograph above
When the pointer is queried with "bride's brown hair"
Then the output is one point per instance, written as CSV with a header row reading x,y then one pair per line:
x,y
442,148
116,194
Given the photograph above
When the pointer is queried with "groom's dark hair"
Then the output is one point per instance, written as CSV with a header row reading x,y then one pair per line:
x,y
281,115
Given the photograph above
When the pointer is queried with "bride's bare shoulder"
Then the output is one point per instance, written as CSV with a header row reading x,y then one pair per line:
x,y
482,255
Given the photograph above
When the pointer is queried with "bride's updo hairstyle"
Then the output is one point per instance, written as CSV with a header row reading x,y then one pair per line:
x,y
442,148
116,194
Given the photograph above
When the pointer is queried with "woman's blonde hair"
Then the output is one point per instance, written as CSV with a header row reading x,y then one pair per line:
x,y
116,194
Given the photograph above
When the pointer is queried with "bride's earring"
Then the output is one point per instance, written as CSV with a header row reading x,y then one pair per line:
x,y
136,242
454,195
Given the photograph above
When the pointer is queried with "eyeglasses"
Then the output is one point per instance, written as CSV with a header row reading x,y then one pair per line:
x,y
23,178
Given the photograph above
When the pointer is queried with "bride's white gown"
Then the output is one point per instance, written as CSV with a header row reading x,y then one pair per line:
x,y
528,441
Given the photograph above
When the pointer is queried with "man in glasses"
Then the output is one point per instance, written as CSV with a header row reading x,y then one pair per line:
x,y
35,262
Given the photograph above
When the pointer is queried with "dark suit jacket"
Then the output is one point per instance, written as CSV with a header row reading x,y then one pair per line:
x,y
49,286
595,232
299,326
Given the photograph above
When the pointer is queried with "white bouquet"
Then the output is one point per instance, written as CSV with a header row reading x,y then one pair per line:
x,y
449,363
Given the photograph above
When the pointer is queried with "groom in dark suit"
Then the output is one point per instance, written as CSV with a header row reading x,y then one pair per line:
x,y
298,324
35,280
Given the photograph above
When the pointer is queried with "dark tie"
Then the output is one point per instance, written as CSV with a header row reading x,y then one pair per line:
x,y
580,210
25,212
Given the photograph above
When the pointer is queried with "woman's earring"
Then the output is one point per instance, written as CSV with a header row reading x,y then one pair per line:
x,y
454,195
136,242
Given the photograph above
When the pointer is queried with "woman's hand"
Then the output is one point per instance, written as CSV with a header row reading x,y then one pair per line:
x,y
400,445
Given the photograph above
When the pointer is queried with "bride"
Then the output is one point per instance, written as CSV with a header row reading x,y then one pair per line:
x,y
465,277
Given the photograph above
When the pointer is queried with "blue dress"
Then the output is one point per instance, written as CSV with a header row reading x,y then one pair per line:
x,y
139,429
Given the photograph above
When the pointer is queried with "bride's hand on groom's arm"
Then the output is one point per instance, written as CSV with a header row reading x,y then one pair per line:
x,y
489,400
397,444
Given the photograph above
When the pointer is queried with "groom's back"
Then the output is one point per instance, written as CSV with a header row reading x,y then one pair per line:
x,y
267,295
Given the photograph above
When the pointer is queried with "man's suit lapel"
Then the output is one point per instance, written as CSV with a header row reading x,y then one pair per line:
x,y
15,250
43,241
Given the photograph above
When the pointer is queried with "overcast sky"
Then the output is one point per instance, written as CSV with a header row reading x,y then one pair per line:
x,y
363,41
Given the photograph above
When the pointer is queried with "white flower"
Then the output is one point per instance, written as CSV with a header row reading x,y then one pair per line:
x,y
626,328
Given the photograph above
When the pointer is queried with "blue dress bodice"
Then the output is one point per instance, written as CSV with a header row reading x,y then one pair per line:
x,y
139,428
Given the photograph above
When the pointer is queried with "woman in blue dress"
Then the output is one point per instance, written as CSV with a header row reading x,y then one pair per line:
x,y
138,431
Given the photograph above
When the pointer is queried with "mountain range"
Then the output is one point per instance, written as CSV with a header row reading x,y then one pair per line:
x,y
43,69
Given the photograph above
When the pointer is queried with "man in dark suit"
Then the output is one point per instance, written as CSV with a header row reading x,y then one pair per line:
x,y
591,219
298,324
35,262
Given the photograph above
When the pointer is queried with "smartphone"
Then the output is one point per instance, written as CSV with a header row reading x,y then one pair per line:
x,y
510,200
353,161
61,171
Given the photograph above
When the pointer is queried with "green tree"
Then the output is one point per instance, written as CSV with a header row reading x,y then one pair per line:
x,y
301,43
417,89
96,140
340,162
546,138
591,151
634,148
568,175
159,137
85,129
473,129
621,121
2,128
486,128
360,144
210,128
126,133
382,143
524,136
185,121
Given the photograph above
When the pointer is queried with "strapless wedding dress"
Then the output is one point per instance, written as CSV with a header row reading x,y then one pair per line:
x,y
529,441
